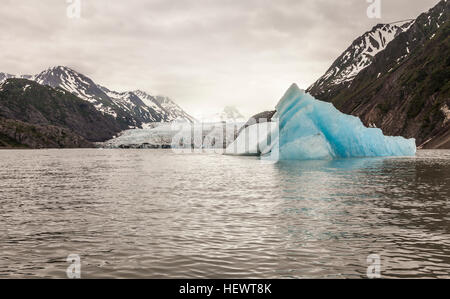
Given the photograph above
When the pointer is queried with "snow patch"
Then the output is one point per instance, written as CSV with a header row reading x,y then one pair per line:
x,y
360,55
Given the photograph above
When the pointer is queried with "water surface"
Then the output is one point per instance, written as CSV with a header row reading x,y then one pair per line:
x,y
156,214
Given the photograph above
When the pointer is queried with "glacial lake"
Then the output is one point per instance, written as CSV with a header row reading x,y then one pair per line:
x,y
158,214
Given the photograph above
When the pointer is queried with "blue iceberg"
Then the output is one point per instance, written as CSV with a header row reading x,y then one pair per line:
x,y
309,129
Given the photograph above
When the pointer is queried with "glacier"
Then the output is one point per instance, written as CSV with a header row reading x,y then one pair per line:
x,y
179,135
304,128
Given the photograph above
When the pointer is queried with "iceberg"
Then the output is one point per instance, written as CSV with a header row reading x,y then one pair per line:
x,y
309,129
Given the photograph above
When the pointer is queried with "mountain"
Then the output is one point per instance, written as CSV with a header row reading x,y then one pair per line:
x,y
174,112
356,58
130,104
38,105
228,114
231,113
131,109
79,85
126,107
405,89
165,106
4,76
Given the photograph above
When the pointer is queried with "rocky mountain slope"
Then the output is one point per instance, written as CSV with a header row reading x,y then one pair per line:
x,y
17,134
405,89
357,57
29,102
174,112
131,109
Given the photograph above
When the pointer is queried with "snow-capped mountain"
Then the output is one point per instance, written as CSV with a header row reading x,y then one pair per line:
x,y
358,56
173,111
231,113
46,110
4,76
132,109
79,85
404,90
228,114
134,105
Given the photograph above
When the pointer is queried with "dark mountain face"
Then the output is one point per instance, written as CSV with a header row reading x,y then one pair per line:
x,y
35,104
17,134
405,90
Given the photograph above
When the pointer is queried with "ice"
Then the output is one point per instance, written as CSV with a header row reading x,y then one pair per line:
x,y
253,140
178,135
309,129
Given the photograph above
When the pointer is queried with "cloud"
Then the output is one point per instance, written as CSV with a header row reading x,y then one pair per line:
x,y
206,54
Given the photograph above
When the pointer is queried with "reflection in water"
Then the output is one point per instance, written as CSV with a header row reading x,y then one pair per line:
x,y
152,213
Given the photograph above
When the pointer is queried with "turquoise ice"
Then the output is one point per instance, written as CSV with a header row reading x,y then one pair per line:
x,y
310,129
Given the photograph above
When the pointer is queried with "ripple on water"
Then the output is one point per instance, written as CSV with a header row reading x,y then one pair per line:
x,y
155,214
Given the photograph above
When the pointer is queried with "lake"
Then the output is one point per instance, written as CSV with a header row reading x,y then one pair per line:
x,y
158,214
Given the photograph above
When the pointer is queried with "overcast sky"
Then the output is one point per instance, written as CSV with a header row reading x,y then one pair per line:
x,y
205,54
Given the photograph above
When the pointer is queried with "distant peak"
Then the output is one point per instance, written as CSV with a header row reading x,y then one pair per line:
x,y
230,108
141,92
379,25
384,27
61,69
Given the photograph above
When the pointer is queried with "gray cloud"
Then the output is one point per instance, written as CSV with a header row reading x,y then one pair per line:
x,y
204,53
